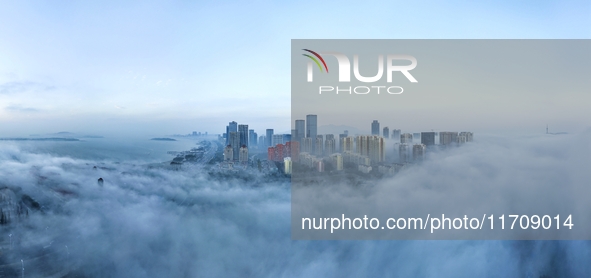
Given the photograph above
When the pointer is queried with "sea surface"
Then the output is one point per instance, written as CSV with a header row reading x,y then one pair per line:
x,y
112,149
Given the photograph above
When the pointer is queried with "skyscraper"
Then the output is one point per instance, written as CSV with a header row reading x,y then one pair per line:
x,y
306,146
243,134
468,135
396,134
300,130
243,156
377,149
403,150
386,132
232,127
319,145
228,153
252,138
341,136
347,144
312,128
428,138
330,144
418,151
286,138
235,143
337,160
405,138
447,138
262,142
375,127
269,137
276,139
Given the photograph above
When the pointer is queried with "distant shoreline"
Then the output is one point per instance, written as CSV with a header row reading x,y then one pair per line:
x,y
39,139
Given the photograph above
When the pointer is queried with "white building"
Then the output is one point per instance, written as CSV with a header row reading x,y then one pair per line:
x,y
228,153
337,161
243,156
287,165
418,151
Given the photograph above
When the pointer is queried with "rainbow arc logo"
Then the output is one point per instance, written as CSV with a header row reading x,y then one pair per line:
x,y
315,60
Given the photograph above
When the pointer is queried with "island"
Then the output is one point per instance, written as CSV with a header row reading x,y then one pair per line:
x,y
163,139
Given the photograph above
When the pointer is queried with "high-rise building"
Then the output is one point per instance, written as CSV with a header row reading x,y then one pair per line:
x,y
330,144
235,143
293,150
232,127
468,135
405,138
262,142
243,157
361,145
447,138
319,165
377,149
277,139
372,147
279,152
337,160
306,146
396,134
375,128
416,136
428,138
228,153
403,150
286,138
319,145
269,137
252,138
418,151
312,127
386,133
243,133
347,144
341,136
300,130
287,165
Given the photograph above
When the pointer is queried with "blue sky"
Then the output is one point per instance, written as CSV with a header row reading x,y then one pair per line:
x,y
173,67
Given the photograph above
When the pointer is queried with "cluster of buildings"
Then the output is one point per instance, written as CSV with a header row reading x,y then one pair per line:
x,y
239,139
366,153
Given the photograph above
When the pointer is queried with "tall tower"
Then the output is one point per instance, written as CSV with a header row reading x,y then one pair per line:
x,y
319,145
396,134
312,128
375,128
269,137
252,138
428,138
386,133
243,156
300,130
235,143
243,131
405,138
232,127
